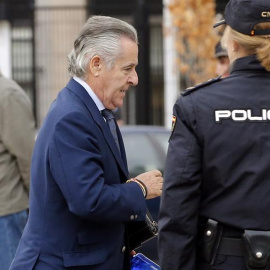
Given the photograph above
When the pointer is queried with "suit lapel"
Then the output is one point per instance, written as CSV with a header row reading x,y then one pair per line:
x,y
77,89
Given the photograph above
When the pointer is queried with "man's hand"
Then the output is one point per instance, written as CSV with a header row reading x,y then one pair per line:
x,y
153,181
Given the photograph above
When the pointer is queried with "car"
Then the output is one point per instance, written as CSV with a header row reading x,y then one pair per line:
x,y
146,149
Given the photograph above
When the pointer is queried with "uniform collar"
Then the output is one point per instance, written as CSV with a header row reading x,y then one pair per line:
x,y
247,63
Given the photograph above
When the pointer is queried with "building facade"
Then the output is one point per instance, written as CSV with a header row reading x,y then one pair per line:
x,y
40,34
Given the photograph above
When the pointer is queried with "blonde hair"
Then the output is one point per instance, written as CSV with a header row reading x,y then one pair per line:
x,y
259,44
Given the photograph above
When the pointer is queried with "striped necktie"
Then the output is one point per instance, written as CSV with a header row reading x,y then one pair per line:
x,y
108,115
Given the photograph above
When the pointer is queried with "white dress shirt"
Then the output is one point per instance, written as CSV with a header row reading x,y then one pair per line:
x,y
90,92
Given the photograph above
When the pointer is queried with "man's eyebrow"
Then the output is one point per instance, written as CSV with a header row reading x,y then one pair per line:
x,y
130,65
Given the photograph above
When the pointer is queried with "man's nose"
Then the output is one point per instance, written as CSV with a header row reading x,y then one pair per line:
x,y
133,79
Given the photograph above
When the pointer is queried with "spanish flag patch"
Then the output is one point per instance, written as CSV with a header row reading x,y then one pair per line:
x,y
173,122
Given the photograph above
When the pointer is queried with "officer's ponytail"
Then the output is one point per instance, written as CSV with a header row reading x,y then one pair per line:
x,y
263,54
263,51
259,45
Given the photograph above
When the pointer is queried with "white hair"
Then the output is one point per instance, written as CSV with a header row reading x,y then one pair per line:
x,y
101,35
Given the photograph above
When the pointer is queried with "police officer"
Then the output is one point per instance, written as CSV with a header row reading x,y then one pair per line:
x,y
216,196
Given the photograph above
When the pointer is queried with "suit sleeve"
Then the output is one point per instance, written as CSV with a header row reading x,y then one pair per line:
x,y
78,168
181,192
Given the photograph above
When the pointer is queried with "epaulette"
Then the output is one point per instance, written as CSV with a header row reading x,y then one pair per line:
x,y
194,88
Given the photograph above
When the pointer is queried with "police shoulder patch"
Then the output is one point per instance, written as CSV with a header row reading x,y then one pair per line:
x,y
173,122
196,87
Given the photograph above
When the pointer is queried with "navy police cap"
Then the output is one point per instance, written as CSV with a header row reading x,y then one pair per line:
x,y
243,15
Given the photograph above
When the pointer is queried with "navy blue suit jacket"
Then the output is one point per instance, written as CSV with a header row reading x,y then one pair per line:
x,y
78,200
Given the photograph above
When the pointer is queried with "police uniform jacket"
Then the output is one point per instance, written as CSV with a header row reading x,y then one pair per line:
x,y
79,202
218,163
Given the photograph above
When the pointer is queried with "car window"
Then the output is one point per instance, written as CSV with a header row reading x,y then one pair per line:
x,y
142,155
163,140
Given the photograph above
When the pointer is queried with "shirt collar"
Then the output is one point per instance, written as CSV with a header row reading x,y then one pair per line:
x,y
247,63
90,92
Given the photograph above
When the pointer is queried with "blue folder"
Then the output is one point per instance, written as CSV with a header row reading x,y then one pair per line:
x,y
141,262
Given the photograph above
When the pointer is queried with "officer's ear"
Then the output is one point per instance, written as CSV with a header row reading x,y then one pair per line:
x,y
95,65
236,46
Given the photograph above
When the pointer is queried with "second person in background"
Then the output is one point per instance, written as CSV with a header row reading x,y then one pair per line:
x,y
17,138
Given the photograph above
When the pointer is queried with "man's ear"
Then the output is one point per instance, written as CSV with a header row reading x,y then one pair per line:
x,y
95,65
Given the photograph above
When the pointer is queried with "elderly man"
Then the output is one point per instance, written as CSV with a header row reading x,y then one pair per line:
x,y
80,199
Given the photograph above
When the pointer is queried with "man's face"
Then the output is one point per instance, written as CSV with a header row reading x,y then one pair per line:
x,y
114,82
223,66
